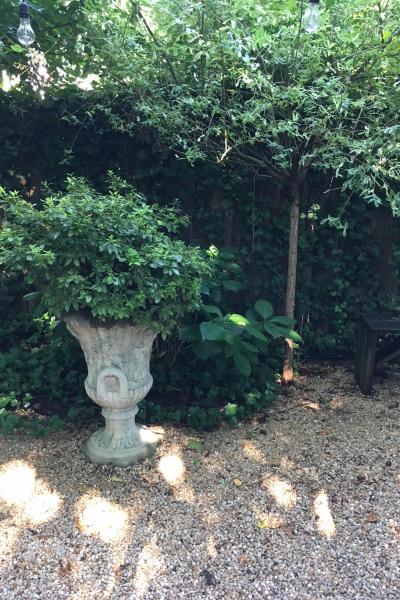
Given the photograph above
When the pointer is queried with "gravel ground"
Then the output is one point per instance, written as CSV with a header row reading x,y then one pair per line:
x,y
301,503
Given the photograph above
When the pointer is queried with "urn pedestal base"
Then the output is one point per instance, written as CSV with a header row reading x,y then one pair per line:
x,y
100,452
117,355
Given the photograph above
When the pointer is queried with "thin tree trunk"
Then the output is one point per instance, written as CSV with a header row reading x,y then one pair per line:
x,y
287,373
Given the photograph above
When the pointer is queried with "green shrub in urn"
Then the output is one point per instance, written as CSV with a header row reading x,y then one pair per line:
x,y
113,256
112,267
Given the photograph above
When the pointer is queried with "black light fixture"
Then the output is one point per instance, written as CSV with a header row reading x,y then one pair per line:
x,y
25,33
312,19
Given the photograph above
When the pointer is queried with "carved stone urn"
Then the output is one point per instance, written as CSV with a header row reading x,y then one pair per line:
x,y
118,361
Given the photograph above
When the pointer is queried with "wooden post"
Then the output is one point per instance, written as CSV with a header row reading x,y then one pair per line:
x,y
360,349
367,360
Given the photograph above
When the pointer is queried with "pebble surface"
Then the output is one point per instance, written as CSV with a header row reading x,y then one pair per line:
x,y
302,503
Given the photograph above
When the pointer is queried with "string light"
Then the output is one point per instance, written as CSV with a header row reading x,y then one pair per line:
x,y
312,19
25,33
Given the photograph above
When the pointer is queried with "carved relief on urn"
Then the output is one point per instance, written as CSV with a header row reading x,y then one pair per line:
x,y
118,360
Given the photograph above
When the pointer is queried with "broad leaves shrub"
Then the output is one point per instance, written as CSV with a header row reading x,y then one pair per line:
x,y
113,255
240,339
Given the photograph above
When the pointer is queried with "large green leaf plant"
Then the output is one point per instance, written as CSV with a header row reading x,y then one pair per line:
x,y
242,339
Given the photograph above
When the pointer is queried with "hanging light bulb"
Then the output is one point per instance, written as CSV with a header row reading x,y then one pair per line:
x,y
312,19
25,33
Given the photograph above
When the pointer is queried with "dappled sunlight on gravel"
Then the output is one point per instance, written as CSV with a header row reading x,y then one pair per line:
x,y
101,518
28,495
17,483
325,522
212,549
302,503
252,452
268,520
282,491
150,565
172,468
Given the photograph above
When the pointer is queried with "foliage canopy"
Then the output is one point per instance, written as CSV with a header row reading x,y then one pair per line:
x,y
231,80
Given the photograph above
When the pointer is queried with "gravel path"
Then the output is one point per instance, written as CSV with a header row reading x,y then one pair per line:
x,y
302,503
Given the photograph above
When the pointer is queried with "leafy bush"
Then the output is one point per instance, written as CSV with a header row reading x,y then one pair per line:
x,y
203,393
113,255
36,427
240,338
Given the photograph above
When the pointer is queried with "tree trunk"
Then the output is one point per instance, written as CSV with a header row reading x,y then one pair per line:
x,y
287,373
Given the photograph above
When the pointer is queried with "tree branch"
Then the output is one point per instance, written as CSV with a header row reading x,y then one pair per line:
x,y
155,40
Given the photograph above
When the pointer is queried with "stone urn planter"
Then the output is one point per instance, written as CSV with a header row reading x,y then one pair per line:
x,y
118,361
109,264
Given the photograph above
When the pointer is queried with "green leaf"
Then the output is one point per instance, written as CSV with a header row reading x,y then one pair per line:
x,y
283,321
210,330
293,335
264,308
31,296
16,48
55,423
229,350
238,320
195,445
242,363
249,347
251,315
230,410
230,338
278,331
255,332
212,310
189,333
234,286
73,412
233,267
